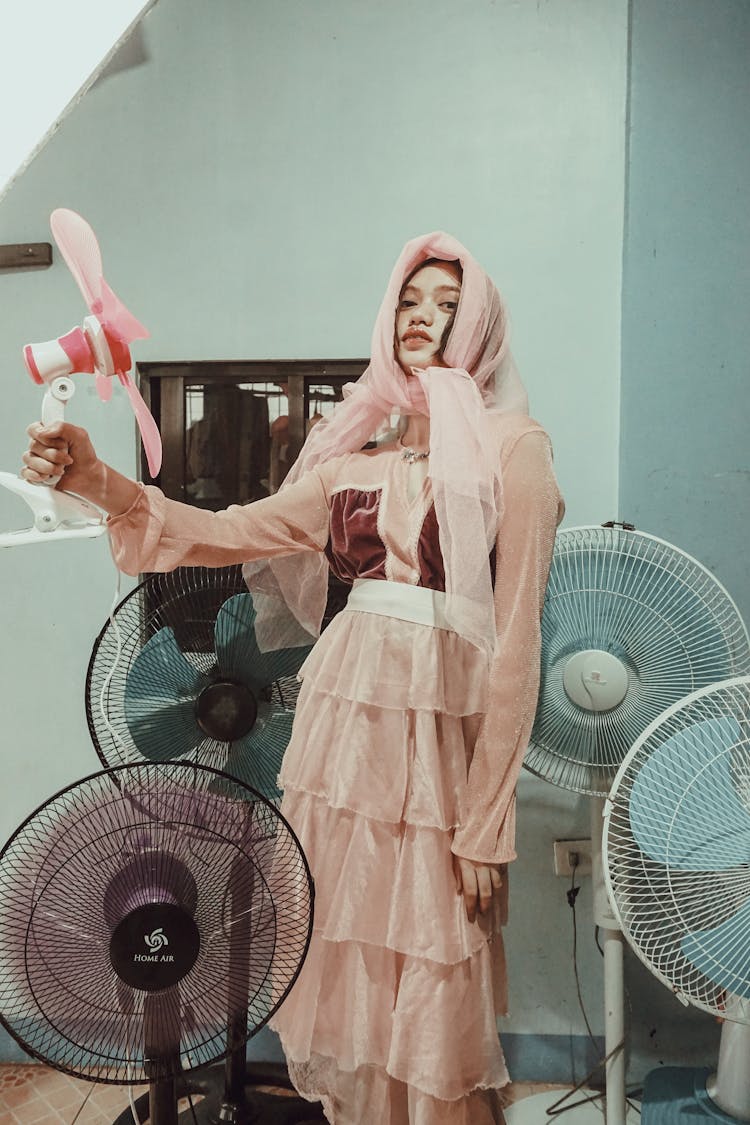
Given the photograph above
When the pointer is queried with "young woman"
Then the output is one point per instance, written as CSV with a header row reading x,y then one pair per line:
x,y
417,701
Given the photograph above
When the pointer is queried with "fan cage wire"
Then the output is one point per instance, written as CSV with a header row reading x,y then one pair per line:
x,y
636,596
658,906
190,598
22,897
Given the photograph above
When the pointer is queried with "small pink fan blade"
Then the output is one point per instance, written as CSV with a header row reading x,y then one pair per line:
x,y
119,318
79,248
149,430
103,387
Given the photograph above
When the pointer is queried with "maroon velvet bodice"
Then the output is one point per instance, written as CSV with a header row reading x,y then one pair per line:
x,y
355,548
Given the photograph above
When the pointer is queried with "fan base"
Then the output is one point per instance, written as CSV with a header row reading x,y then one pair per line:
x,y
676,1095
260,1105
571,1109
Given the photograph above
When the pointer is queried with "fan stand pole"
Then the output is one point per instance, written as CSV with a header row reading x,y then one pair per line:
x,y
162,1043
614,993
729,1088
162,1102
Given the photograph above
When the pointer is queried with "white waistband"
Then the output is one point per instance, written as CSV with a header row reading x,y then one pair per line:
x,y
397,599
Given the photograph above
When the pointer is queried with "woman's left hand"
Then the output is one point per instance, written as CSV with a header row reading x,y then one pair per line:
x,y
478,882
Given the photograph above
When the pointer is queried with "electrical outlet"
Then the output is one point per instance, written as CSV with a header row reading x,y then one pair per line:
x,y
572,855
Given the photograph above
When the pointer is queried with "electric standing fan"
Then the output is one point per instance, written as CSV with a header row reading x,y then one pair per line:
x,y
676,852
135,906
177,673
631,624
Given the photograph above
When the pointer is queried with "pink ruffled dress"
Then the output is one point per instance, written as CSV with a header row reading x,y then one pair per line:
x,y
406,748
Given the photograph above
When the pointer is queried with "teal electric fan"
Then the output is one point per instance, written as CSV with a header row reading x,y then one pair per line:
x,y
177,674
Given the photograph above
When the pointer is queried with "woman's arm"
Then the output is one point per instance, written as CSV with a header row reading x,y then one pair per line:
x,y
525,545
160,534
151,533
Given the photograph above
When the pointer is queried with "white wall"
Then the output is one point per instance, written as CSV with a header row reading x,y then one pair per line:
x,y
252,177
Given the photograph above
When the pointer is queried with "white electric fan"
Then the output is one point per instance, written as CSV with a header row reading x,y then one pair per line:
x,y
677,865
631,625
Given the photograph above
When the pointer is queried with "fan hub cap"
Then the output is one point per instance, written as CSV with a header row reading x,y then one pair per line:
x,y
595,680
154,946
226,710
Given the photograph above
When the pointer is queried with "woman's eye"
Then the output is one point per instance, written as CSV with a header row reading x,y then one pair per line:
x,y
407,304
451,306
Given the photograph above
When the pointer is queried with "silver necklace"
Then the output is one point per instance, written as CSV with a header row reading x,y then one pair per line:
x,y
412,455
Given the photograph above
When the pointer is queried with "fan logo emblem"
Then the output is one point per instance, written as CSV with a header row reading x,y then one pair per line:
x,y
156,940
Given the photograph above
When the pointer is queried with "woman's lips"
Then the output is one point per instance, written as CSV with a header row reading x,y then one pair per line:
x,y
416,340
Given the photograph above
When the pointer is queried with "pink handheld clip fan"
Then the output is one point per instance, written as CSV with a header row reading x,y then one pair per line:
x,y
98,347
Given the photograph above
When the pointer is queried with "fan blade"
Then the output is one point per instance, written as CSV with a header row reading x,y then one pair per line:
x,y
237,651
684,808
80,249
119,317
160,693
282,663
103,387
256,758
149,430
723,953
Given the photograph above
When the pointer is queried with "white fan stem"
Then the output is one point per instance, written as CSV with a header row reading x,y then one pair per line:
x,y
729,1088
614,991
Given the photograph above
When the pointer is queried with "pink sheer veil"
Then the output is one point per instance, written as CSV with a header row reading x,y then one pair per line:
x,y
481,379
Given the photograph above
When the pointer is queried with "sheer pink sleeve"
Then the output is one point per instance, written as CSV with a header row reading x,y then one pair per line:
x,y
159,534
524,553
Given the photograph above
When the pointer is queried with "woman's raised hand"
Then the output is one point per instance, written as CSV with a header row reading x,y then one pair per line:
x,y
66,449
60,448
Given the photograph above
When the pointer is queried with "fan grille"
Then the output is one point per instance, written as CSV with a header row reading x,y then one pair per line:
x,y
669,622
109,844
677,848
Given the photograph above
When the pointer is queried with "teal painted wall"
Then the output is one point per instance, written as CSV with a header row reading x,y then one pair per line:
x,y
685,392
685,402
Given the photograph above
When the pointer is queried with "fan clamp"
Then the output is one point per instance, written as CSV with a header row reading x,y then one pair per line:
x,y
595,680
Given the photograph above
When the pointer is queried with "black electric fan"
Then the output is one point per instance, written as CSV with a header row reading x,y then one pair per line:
x,y
138,907
176,673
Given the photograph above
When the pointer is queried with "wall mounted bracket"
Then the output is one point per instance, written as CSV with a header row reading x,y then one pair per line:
x,y
26,256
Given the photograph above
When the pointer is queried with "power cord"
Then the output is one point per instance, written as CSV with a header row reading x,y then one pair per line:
x,y
118,650
82,1106
563,1104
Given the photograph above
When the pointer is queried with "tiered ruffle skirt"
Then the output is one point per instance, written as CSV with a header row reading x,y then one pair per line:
x,y
392,1020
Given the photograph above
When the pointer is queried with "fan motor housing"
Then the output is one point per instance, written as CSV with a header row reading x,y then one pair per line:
x,y
595,680
226,710
154,946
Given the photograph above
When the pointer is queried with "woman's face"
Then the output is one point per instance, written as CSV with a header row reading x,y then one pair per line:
x,y
424,316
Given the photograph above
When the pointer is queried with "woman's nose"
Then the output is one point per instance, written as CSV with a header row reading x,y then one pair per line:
x,y
421,314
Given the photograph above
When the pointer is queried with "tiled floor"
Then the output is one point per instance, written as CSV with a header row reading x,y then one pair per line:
x,y
36,1095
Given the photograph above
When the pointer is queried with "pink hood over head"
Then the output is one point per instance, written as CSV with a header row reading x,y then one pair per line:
x,y
480,379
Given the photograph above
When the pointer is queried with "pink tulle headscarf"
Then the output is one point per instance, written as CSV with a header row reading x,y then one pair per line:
x,y
480,378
